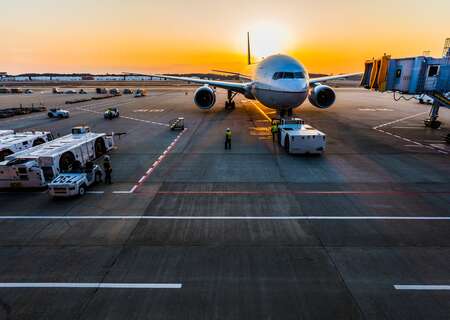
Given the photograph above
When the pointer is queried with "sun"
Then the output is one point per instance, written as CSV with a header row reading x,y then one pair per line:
x,y
267,39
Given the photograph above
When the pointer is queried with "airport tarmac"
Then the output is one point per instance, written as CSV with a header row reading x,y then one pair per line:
x,y
189,230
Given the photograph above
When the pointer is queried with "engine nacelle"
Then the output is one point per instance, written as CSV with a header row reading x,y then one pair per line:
x,y
322,96
205,98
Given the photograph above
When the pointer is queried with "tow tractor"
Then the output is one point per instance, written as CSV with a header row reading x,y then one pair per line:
x,y
58,113
75,182
111,113
297,137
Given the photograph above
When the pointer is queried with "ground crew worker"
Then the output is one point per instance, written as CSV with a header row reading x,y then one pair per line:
x,y
228,138
274,130
108,170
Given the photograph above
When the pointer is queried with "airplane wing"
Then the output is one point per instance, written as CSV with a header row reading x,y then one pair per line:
x,y
233,86
340,76
240,75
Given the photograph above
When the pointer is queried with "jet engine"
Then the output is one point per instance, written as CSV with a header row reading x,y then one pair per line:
x,y
321,96
205,98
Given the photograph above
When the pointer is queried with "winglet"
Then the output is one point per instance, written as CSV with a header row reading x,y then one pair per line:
x,y
249,57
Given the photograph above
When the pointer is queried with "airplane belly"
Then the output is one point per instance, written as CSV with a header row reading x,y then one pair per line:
x,y
279,99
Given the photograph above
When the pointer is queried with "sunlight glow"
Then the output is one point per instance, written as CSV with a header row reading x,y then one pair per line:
x,y
268,39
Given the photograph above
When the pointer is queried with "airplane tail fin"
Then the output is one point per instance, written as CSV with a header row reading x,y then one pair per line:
x,y
249,57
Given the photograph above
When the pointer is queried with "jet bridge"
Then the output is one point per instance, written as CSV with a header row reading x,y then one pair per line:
x,y
412,76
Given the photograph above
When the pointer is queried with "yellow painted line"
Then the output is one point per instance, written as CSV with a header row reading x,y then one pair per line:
x,y
262,112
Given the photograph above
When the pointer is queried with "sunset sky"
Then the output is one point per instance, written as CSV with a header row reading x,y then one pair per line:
x,y
196,36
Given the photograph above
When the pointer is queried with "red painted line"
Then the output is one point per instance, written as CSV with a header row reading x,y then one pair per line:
x,y
156,163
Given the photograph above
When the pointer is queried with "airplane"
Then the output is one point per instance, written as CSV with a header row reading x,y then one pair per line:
x,y
279,82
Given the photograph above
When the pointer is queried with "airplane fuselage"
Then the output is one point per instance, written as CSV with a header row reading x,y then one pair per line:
x,y
280,82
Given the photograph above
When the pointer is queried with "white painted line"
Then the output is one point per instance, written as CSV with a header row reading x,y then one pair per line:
x,y
133,189
141,179
121,192
421,287
125,117
122,217
95,192
399,120
405,139
97,285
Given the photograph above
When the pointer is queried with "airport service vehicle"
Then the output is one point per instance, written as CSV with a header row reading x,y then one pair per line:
x,y
11,142
37,166
82,91
58,113
6,132
127,91
57,91
28,91
76,182
424,99
101,90
139,93
5,90
70,91
279,82
177,124
111,113
16,90
297,137
114,91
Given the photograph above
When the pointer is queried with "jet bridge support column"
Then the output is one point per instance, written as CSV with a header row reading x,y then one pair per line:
x,y
433,122
438,101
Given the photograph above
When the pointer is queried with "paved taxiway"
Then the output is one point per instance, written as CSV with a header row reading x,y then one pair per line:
x,y
250,233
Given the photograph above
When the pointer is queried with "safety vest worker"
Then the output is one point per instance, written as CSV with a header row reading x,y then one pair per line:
x,y
108,169
228,138
274,131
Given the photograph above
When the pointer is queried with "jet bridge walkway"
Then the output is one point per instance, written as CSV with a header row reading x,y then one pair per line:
x,y
412,76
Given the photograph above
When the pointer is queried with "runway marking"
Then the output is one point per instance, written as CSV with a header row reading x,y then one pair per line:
x,y
157,162
95,192
260,110
399,120
139,217
413,145
411,127
146,121
421,287
122,192
84,108
377,128
96,285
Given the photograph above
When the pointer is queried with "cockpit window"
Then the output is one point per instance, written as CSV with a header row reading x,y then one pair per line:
x,y
288,75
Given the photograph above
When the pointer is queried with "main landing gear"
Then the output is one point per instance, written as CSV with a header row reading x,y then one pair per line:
x,y
230,104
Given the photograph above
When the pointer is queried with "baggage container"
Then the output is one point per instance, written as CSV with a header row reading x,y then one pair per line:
x,y
37,166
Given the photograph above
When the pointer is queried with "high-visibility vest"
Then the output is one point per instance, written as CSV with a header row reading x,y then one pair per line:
x,y
228,135
274,128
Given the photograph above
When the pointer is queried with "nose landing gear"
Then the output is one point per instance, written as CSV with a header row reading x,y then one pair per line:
x,y
285,112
